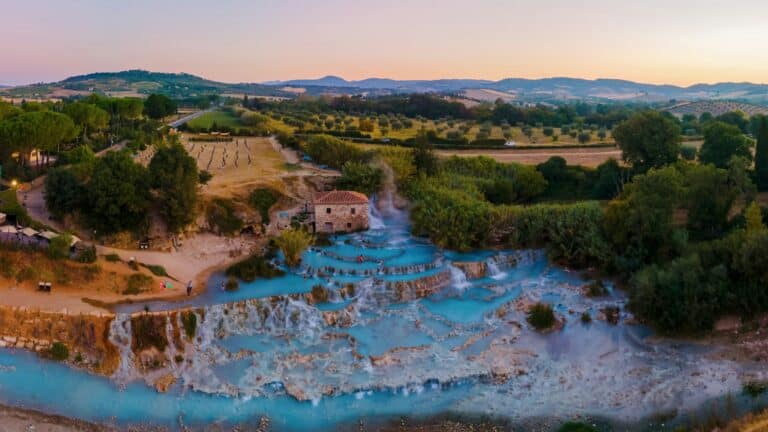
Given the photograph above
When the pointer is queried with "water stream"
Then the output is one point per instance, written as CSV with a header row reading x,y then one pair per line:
x,y
389,348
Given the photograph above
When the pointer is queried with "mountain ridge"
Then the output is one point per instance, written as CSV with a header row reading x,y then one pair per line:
x,y
549,89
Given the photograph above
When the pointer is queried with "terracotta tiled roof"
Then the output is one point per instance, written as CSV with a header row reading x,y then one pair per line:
x,y
340,197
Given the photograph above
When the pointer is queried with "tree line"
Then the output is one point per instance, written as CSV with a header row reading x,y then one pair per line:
x,y
50,128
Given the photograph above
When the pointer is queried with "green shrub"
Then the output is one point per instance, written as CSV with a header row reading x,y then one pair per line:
x,y
87,255
222,218
755,388
360,177
232,284
26,274
571,233
576,427
189,321
252,268
327,150
204,177
59,247
138,283
112,257
263,199
7,269
293,242
156,270
541,316
59,351
596,289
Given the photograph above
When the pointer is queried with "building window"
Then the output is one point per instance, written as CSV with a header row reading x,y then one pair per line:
x,y
349,225
328,210
353,210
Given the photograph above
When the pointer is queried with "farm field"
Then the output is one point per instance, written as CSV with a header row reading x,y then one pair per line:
x,y
411,128
237,165
221,118
589,157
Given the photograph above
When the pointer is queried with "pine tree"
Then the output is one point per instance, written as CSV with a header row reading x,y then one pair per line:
x,y
761,154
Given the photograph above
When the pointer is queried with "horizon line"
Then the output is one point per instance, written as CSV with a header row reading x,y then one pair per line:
x,y
331,75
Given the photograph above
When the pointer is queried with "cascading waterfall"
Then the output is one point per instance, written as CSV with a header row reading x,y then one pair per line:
x,y
458,278
493,269
375,221
120,335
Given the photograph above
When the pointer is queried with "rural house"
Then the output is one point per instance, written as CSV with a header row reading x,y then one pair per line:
x,y
340,211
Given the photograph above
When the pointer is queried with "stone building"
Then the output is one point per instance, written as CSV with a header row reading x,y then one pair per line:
x,y
340,211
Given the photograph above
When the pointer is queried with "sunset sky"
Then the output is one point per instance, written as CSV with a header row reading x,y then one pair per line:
x,y
657,41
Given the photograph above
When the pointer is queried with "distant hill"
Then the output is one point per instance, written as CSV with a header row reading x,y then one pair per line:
x,y
545,89
138,83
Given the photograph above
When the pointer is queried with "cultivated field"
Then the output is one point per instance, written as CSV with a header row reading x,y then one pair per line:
x,y
590,157
488,95
221,118
237,165
716,108
411,128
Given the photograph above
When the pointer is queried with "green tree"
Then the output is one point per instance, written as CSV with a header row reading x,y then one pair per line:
x,y
157,106
639,223
8,110
174,176
424,157
709,198
293,242
761,154
610,180
41,130
64,192
360,177
648,140
723,141
89,118
735,118
118,193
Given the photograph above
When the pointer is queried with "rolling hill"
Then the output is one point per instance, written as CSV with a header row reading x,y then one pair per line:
x,y
138,83
553,90
545,89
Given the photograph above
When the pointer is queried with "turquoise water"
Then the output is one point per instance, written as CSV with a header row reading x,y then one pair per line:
x,y
465,349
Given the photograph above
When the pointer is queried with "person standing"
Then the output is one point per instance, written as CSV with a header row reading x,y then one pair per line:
x,y
189,288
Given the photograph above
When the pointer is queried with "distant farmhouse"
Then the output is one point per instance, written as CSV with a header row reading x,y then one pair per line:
x,y
340,211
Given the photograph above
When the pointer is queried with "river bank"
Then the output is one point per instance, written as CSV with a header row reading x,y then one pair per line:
x,y
13,419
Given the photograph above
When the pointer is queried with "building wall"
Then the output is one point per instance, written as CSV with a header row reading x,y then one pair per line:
x,y
341,217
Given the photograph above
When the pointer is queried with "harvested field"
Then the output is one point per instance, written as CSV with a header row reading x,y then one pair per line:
x,y
590,157
237,165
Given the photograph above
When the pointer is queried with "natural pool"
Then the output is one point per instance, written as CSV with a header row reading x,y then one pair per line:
x,y
464,349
